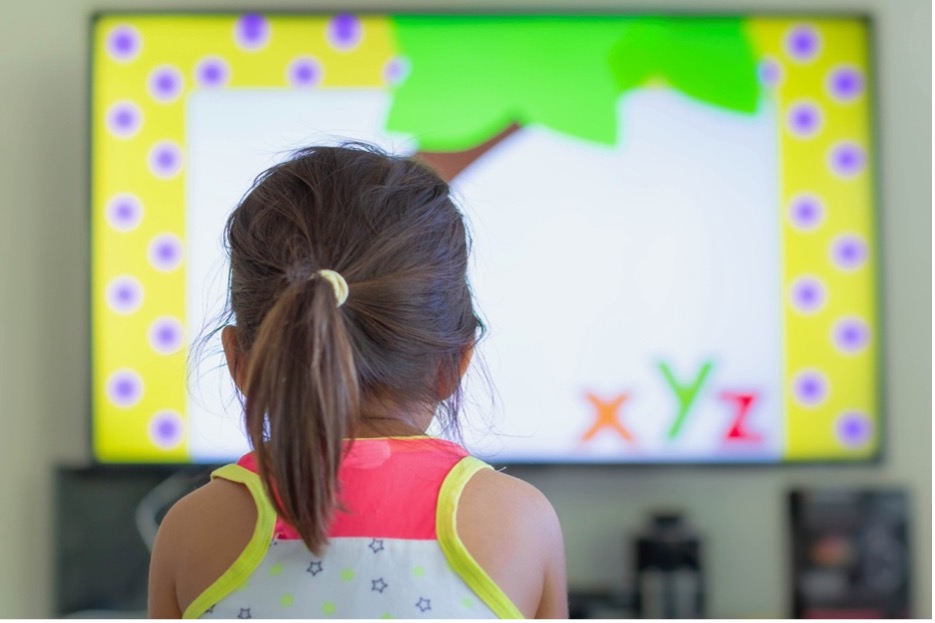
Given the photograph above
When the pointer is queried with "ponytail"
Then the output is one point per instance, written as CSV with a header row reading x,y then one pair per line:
x,y
302,397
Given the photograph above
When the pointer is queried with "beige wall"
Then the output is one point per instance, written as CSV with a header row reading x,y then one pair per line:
x,y
44,320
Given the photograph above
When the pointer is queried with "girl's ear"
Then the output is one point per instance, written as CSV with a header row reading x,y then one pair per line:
x,y
466,357
236,360
445,387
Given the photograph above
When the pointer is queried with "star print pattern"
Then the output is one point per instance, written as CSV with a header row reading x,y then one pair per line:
x,y
354,578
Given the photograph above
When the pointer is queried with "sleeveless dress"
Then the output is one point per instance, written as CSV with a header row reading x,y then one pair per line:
x,y
393,552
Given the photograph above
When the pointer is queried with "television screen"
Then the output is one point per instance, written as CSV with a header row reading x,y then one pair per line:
x,y
673,219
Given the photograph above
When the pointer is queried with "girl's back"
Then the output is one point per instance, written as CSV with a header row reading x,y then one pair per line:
x,y
354,321
427,532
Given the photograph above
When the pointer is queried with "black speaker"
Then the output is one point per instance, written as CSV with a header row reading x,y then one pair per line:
x,y
850,553
104,516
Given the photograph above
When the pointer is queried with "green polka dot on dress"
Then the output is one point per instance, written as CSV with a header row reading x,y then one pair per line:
x,y
276,569
347,574
328,608
286,600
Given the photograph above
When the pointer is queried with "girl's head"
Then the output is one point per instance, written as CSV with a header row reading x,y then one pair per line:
x,y
312,373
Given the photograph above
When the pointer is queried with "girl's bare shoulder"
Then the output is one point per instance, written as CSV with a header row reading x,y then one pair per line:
x,y
513,532
210,516
199,538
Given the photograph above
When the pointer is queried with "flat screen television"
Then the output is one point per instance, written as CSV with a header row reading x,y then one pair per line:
x,y
673,216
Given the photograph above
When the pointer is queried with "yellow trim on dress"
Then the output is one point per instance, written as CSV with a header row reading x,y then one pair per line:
x,y
459,558
253,553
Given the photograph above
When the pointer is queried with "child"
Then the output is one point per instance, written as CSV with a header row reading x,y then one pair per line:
x,y
354,325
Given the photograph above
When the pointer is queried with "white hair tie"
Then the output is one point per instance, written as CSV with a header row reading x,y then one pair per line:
x,y
336,281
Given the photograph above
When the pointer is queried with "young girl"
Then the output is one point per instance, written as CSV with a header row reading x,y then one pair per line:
x,y
354,325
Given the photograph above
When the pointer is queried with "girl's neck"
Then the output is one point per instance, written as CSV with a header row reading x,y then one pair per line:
x,y
370,427
382,417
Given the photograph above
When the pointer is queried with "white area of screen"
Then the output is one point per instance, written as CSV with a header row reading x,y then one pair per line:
x,y
591,266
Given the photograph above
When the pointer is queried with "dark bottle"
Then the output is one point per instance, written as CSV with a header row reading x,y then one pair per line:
x,y
668,570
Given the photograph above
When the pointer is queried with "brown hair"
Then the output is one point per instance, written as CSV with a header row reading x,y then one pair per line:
x,y
387,224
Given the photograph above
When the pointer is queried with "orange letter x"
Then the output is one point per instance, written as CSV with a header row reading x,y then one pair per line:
x,y
607,416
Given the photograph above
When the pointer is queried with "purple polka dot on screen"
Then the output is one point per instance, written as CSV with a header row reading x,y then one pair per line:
x,y
212,72
124,119
845,84
165,84
124,212
849,252
810,388
344,31
165,159
396,70
165,335
804,119
802,43
806,212
808,294
123,43
166,429
847,159
854,429
124,295
165,252
769,72
304,72
851,335
251,31
125,388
